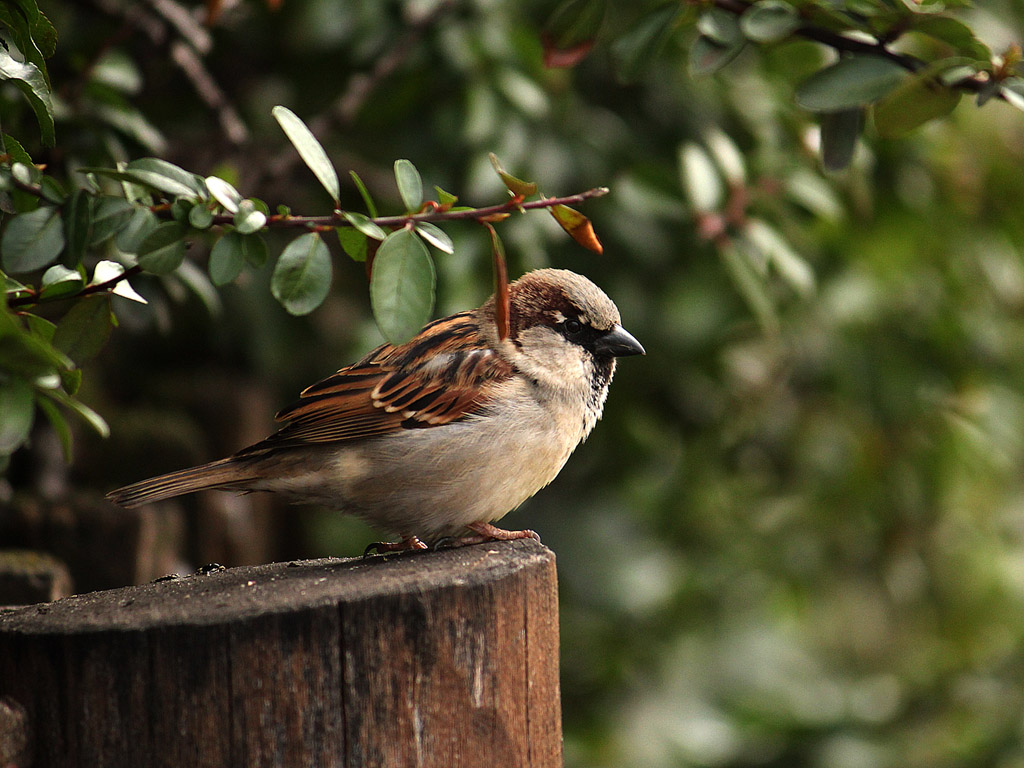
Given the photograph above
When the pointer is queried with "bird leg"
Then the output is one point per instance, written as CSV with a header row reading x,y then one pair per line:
x,y
407,543
487,532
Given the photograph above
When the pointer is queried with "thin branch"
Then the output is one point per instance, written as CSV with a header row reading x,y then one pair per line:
x,y
34,299
397,222
332,221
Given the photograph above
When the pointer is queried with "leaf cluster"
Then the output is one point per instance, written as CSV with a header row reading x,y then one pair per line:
x,y
899,64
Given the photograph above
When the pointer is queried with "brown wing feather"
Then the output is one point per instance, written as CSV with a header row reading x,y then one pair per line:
x,y
445,373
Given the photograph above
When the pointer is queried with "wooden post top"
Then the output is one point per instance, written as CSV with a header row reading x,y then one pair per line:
x,y
442,659
224,595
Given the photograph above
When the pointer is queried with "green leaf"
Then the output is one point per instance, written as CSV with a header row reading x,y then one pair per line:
x,y
109,216
31,81
162,250
402,286
108,270
854,81
12,147
200,217
59,423
90,416
180,209
916,101
954,33
52,191
78,225
129,238
707,56
769,21
58,280
168,177
17,406
353,242
249,219
44,35
84,330
720,26
839,133
436,236
364,193
302,275
224,193
445,198
514,185
410,185
226,259
40,326
27,355
254,248
364,225
309,149
32,240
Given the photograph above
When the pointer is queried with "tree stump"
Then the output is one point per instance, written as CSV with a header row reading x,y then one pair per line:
x,y
441,659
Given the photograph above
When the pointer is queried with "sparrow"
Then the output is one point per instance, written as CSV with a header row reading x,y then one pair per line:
x,y
438,438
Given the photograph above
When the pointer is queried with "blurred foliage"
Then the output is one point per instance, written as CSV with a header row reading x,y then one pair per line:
x,y
797,537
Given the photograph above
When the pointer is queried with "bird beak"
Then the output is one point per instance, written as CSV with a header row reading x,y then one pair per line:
x,y
618,342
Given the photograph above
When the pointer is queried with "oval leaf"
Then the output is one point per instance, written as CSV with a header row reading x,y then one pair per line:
x,y
436,236
851,82
302,275
720,26
839,132
130,237
84,330
170,176
16,404
110,215
364,225
249,219
707,56
309,149
769,21
254,247
58,280
224,193
32,240
163,249
78,225
915,102
402,286
353,242
226,259
410,185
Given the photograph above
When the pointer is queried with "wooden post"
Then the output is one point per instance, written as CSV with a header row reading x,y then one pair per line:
x,y
440,659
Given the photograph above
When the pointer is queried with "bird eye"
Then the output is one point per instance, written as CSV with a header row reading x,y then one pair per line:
x,y
572,327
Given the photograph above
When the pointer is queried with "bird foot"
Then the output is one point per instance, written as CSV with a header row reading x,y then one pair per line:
x,y
486,532
406,544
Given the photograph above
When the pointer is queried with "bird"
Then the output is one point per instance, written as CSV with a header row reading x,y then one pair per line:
x,y
436,439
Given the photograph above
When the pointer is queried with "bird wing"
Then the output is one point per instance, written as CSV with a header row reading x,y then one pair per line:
x,y
445,373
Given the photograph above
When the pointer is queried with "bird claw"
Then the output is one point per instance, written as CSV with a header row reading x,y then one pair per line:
x,y
382,547
485,532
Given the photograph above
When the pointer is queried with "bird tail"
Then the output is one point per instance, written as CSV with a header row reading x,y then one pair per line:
x,y
223,473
